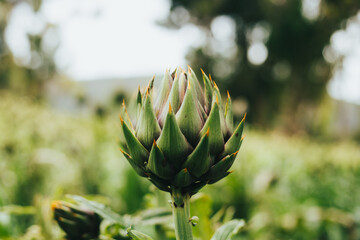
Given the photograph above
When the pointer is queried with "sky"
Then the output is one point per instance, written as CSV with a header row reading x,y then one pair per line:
x,y
100,39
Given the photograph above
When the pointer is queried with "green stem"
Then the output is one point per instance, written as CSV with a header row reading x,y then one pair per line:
x,y
181,213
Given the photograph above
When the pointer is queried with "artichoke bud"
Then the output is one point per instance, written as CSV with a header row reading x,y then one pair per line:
x,y
186,139
77,223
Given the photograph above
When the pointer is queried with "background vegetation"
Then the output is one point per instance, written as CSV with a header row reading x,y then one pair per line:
x,y
292,184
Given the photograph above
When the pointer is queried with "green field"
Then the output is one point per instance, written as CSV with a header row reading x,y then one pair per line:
x,y
283,187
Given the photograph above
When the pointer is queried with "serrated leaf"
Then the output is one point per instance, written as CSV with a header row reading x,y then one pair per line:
x,y
228,230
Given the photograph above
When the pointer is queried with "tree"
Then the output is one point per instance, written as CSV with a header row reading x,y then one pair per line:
x,y
25,78
294,32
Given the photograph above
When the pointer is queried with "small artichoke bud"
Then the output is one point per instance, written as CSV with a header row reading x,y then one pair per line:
x,y
77,223
186,139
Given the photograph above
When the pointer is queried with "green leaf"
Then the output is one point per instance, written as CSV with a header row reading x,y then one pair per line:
x,y
158,164
189,118
100,209
136,235
155,216
216,139
136,150
172,142
198,162
148,128
234,143
228,230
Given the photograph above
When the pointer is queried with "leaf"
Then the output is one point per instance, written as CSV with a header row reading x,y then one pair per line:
x,y
228,230
155,216
100,209
136,235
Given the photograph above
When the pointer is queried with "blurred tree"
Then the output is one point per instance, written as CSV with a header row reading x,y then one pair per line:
x,y
269,52
21,77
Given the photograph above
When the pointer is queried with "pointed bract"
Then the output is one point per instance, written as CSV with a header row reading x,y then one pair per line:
x,y
183,178
208,92
172,142
140,170
229,117
195,83
216,139
173,100
188,117
136,150
234,142
158,165
148,127
182,85
221,167
198,162
164,92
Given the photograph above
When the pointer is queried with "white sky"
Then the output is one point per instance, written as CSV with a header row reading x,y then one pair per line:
x,y
118,38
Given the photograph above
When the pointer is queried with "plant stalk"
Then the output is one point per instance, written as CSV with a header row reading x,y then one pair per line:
x,y
181,214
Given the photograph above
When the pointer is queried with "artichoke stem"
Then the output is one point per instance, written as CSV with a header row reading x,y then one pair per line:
x,y
181,213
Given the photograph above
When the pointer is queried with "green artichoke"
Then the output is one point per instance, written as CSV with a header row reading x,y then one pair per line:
x,y
77,223
184,138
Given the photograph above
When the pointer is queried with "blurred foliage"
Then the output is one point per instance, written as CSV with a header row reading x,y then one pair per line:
x,y
295,72
283,187
25,76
